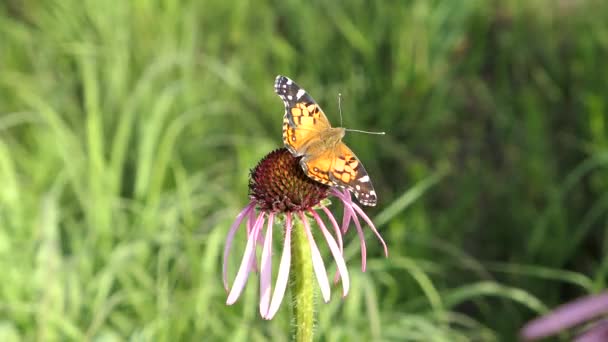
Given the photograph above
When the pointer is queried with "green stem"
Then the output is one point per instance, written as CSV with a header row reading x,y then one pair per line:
x,y
301,283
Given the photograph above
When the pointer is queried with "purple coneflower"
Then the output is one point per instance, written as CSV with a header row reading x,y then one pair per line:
x,y
281,192
587,310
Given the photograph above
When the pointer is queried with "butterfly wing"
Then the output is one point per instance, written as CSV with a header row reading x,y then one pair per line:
x,y
339,166
303,119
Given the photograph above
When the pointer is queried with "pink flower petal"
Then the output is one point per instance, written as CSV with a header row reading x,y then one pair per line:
x,y
347,201
346,221
566,316
339,235
250,223
597,333
335,251
283,276
235,225
373,228
317,261
246,263
333,221
266,269
350,209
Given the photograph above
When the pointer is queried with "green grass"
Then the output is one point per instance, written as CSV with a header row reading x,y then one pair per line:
x,y
127,131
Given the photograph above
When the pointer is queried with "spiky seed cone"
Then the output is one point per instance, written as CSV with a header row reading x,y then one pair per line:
x,y
278,184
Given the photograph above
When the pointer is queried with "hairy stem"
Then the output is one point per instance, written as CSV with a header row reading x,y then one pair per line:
x,y
301,284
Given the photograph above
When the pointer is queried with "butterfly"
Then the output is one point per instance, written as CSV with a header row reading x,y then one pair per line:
x,y
325,158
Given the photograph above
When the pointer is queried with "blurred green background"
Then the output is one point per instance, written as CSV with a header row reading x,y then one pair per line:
x,y
128,129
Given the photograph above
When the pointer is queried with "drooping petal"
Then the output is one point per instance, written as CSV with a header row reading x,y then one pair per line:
x,y
250,221
317,261
566,316
333,221
246,263
235,225
266,269
283,276
335,251
346,221
344,196
350,209
339,236
597,333
371,225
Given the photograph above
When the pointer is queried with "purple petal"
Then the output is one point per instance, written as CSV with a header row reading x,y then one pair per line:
x,y
250,223
597,333
566,316
347,201
250,220
361,236
339,235
337,277
317,261
333,221
266,269
371,225
246,263
260,240
346,221
283,276
343,194
235,225
335,251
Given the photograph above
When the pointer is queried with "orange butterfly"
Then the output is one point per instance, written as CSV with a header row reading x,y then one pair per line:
x,y
325,158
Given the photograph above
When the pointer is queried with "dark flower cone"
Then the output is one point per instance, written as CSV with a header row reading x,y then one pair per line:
x,y
278,184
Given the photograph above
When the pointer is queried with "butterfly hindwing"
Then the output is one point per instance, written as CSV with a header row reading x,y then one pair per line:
x,y
318,167
341,167
348,172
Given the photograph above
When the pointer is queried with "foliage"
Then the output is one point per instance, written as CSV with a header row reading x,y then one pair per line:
x,y
127,130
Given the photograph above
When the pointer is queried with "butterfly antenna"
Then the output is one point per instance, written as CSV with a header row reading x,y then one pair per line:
x,y
366,132
352,130
340,107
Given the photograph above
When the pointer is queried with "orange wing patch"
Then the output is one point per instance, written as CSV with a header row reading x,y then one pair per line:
x,y
319,167
301,124
348,172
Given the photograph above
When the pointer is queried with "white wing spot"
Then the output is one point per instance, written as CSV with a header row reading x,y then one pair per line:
x,y
300,93
364,179
358,187
289,97
289,81
373,193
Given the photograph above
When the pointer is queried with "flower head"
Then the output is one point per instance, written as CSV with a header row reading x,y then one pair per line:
x,y
280,191
278,184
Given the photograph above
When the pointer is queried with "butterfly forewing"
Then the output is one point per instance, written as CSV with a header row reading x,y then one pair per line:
x,y
303,120
291,93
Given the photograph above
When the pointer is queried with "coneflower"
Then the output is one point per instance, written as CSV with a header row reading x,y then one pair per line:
x,y
281,195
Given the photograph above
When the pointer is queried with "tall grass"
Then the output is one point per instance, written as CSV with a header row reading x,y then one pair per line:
x,y
127,130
